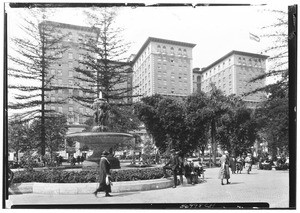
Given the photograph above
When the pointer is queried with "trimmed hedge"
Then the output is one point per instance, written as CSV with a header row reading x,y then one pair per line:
x,y
87,176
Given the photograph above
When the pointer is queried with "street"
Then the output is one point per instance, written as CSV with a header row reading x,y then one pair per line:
x,y
267,186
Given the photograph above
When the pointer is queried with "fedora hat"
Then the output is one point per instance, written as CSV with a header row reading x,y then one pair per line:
x,y
105,153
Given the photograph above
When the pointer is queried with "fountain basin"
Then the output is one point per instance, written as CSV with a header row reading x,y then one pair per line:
x,y
100,141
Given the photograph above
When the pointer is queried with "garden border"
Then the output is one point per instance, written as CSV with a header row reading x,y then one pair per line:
x,y
88,188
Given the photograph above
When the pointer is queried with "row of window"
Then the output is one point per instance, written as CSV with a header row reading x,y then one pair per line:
x,y
250,62
165,50
215,72
71,92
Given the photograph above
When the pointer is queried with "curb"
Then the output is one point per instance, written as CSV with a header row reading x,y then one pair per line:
x,y
88,188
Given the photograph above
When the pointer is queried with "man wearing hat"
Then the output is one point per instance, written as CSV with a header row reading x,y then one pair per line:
x,y
248,163
173,165
104,174
224,170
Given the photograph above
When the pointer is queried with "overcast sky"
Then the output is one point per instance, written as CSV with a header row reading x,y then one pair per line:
x,y
215,30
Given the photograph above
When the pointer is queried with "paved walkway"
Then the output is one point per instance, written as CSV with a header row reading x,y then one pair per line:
x,y
267,186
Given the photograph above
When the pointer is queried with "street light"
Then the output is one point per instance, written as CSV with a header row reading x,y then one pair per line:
x,y
209,147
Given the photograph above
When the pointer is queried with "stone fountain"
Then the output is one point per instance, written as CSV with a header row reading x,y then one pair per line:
x,y
99,139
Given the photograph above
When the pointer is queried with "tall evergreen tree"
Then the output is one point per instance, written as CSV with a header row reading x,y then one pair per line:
x,y
102,67
34,52
276,36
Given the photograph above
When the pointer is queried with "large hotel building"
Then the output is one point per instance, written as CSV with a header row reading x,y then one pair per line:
x,y
232,73
162,67
63,72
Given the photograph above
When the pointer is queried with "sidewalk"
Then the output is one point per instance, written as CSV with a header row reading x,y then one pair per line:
x,y
267,186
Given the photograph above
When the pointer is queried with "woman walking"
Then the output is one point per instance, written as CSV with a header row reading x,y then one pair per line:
x,y
104,176
232,161
224,171
248,163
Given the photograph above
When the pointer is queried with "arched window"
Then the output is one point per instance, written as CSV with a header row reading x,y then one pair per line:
x,y
179,51
172,50
158,48
198,78
164,49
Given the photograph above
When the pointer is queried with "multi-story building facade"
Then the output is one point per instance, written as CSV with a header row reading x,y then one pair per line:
x,y
196,79
232,73
162,67
64,73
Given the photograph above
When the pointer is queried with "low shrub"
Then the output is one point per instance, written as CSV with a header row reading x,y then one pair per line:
x,y
86,176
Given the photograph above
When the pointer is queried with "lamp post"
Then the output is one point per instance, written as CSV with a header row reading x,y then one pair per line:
x,y
209,147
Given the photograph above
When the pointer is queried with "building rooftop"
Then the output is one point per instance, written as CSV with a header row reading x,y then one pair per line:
x,y
68,26
162,41
232,53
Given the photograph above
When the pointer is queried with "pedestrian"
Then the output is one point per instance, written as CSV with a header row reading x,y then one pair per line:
x,y
73,160
239,164
232,162
248,163
78,159
172,165
180,166
104,175
82,159
10,176
224,170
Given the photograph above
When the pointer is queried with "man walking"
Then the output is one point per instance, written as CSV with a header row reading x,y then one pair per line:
x,y
104,176
173,165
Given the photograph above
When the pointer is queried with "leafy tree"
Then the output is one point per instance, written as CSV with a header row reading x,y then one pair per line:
x,y
195,119
147,112
273,120
30,60
172,114
273,115
165,119
237,130
56,128
217,105
19,136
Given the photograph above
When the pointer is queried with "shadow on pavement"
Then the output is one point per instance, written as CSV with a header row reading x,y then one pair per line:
x,y
123,194
234,183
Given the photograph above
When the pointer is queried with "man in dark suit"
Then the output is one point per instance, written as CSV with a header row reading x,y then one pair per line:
x,y
104,173
173,165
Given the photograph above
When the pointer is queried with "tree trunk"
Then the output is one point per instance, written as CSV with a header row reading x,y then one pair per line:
x,y
43,131
213,141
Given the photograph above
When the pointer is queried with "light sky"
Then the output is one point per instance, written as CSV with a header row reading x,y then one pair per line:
x,y
215,30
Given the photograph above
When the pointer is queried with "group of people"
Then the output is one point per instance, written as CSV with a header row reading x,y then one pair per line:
x,y
78,160
235,164
180,166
